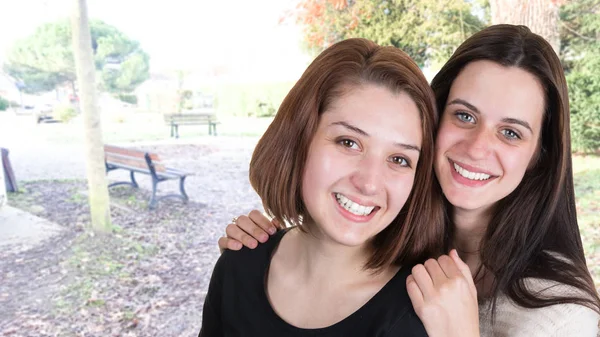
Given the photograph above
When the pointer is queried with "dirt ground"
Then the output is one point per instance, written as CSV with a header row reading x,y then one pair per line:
x,y
148,278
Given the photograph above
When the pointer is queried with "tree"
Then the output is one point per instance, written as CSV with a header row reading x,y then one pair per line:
x,y
3,197
425,29
44,60
541,16
96,171
580,51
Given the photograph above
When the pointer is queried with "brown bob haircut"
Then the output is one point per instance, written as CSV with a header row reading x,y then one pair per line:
x,y
277,165
533,232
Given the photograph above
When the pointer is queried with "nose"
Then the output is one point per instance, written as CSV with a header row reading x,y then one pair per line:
x,y
479,143
368,177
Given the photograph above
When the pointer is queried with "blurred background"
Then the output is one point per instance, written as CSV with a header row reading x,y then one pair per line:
x,y
231,62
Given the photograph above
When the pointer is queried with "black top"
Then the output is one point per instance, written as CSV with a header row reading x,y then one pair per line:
x,y
237,305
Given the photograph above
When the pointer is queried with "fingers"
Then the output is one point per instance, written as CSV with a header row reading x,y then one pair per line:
x,y
435,272
249,226
460,264
414,293
236,233
449,266
277,224
423,280
464,269
227,243
263,222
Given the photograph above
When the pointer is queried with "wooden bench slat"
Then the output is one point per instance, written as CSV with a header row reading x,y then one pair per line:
x,y
129,152
120,160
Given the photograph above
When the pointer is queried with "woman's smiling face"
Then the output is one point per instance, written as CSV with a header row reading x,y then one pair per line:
x,y
361,164
488,134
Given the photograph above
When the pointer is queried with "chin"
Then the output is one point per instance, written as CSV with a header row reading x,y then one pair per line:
x,y
350,240
461,202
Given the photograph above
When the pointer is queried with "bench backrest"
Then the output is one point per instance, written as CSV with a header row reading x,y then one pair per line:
x,y
189,117
132,158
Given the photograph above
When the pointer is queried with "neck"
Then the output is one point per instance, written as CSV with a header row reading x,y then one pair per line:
x,y
320,260
469,228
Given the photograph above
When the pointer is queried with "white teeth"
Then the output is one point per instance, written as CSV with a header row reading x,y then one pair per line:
x,y
471,175
353,207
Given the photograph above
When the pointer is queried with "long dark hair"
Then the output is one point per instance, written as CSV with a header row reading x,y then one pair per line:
x,y
533,232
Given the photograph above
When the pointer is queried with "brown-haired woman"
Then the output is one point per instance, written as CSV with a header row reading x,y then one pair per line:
x,y
503,161
350,148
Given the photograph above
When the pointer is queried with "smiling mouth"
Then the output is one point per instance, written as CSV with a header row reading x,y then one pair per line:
x,y
352,207
476,176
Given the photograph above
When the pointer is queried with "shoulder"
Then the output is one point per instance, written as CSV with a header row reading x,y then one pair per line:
x,y
398,309
550,288
248,260
556,320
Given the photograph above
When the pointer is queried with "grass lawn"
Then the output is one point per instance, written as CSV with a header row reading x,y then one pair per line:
x,y
587,193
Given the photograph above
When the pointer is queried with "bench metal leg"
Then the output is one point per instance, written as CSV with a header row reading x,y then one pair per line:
x,y
153,201
182,189
133,182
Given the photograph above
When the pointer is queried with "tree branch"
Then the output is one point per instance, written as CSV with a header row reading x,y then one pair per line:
x,y
587,38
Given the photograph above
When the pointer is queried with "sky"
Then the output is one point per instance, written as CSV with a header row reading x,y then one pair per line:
x,y
241,35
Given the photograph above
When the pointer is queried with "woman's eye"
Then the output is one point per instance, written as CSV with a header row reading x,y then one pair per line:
x,y
349,143
401,161
510,134
465,117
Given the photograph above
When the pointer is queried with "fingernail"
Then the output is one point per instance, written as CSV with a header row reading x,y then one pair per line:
x,y
264,237
272,230
237,245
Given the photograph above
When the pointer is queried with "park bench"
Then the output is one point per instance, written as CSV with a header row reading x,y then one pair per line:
x,y
145,163
191,118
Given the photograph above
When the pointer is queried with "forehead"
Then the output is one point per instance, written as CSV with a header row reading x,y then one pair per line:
x,y
377,111
494,88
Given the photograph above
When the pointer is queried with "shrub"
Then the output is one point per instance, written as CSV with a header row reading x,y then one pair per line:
x,y
4,104
265,109
584,95
127,98
64,112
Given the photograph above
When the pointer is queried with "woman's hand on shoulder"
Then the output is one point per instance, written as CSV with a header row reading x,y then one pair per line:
x,y
248,231
444,297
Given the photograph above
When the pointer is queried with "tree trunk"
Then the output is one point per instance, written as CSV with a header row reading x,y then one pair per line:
x,y
3,197
541,16
94,147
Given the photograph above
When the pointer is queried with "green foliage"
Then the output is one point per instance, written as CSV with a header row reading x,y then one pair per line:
x,y
243,99
266,109
64,112
584,87
45,60
4,104
580,51
131,99
425,29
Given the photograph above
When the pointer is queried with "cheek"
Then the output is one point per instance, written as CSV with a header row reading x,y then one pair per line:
x,y
319,170
400,190
515,164
445,135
